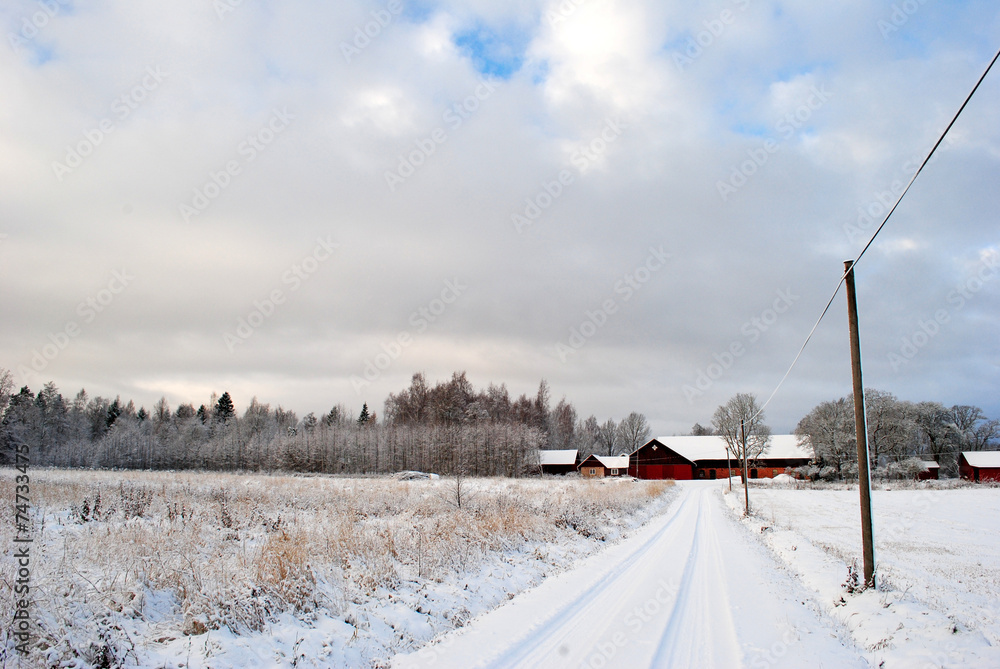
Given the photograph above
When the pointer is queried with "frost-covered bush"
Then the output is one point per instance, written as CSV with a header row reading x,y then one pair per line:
x,y
188,553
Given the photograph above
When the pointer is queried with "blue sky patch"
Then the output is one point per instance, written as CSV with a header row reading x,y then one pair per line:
x,y
494,53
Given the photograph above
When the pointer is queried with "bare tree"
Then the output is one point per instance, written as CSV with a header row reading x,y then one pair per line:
x,y
740,422
699,430
892,430
607,437
633,432
6,385
829,429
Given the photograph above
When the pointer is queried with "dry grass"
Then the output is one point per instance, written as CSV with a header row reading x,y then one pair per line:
x,y
224,550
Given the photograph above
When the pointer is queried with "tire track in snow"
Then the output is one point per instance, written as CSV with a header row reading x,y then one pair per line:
x,y
730,607
543,634
700,632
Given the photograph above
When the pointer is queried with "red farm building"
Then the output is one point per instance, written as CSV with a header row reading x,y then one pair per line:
x,y
598,466
688,457
931,471
558,461
979,465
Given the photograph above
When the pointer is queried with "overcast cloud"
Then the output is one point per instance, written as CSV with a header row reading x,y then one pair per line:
x,y
613,196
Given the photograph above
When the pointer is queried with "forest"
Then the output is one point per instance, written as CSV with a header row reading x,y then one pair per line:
x,y
448,428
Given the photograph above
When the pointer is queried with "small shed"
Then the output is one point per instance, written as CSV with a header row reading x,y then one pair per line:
x,y
558,461
979,466
931,470
598,466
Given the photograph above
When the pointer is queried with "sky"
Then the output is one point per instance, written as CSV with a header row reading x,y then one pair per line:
x,y
646,203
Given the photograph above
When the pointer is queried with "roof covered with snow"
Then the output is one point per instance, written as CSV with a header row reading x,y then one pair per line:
x,y
982,458
567,457
781,446
613,461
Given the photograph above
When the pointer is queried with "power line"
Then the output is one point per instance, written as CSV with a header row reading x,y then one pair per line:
x,y
878,230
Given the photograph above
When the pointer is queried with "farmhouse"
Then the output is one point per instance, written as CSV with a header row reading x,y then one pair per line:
x,y
979,465
558,462
690,457
597,466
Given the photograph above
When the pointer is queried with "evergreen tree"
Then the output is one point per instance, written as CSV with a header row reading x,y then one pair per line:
x,y
332,418
365,416
224,409
114,411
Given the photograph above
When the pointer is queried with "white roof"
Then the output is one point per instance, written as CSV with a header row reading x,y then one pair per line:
x,y
613,461
781,446
982,458
557,457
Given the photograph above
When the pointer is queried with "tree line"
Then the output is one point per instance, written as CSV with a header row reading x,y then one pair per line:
x,y
447,428
900,434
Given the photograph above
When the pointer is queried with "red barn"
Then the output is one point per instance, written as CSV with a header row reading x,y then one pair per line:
x,y
689,457
654,460
979,465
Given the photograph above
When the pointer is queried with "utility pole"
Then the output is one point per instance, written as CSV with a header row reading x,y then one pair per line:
x,y
746,483
861,429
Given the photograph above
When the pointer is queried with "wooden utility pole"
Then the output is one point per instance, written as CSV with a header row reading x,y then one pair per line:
x,y
861,429
746,483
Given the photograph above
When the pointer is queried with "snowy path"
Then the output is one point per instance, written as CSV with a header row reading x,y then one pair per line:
x,y
691,589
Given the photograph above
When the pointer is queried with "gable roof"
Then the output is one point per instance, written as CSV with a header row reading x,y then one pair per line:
x,y
982,458
608,461
563,457
782,446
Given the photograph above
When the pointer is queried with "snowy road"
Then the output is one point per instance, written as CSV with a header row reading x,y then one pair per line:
x,y
690,589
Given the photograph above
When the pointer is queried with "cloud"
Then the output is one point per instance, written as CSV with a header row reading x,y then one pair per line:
x,y
411,92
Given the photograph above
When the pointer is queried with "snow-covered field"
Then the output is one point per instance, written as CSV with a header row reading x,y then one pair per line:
x,y
213,570
937,559
210,570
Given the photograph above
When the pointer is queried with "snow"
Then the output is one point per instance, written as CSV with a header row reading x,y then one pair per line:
x,y
666,580
613,461
557,457
982,458
309,571
781,446
691,589
937,564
